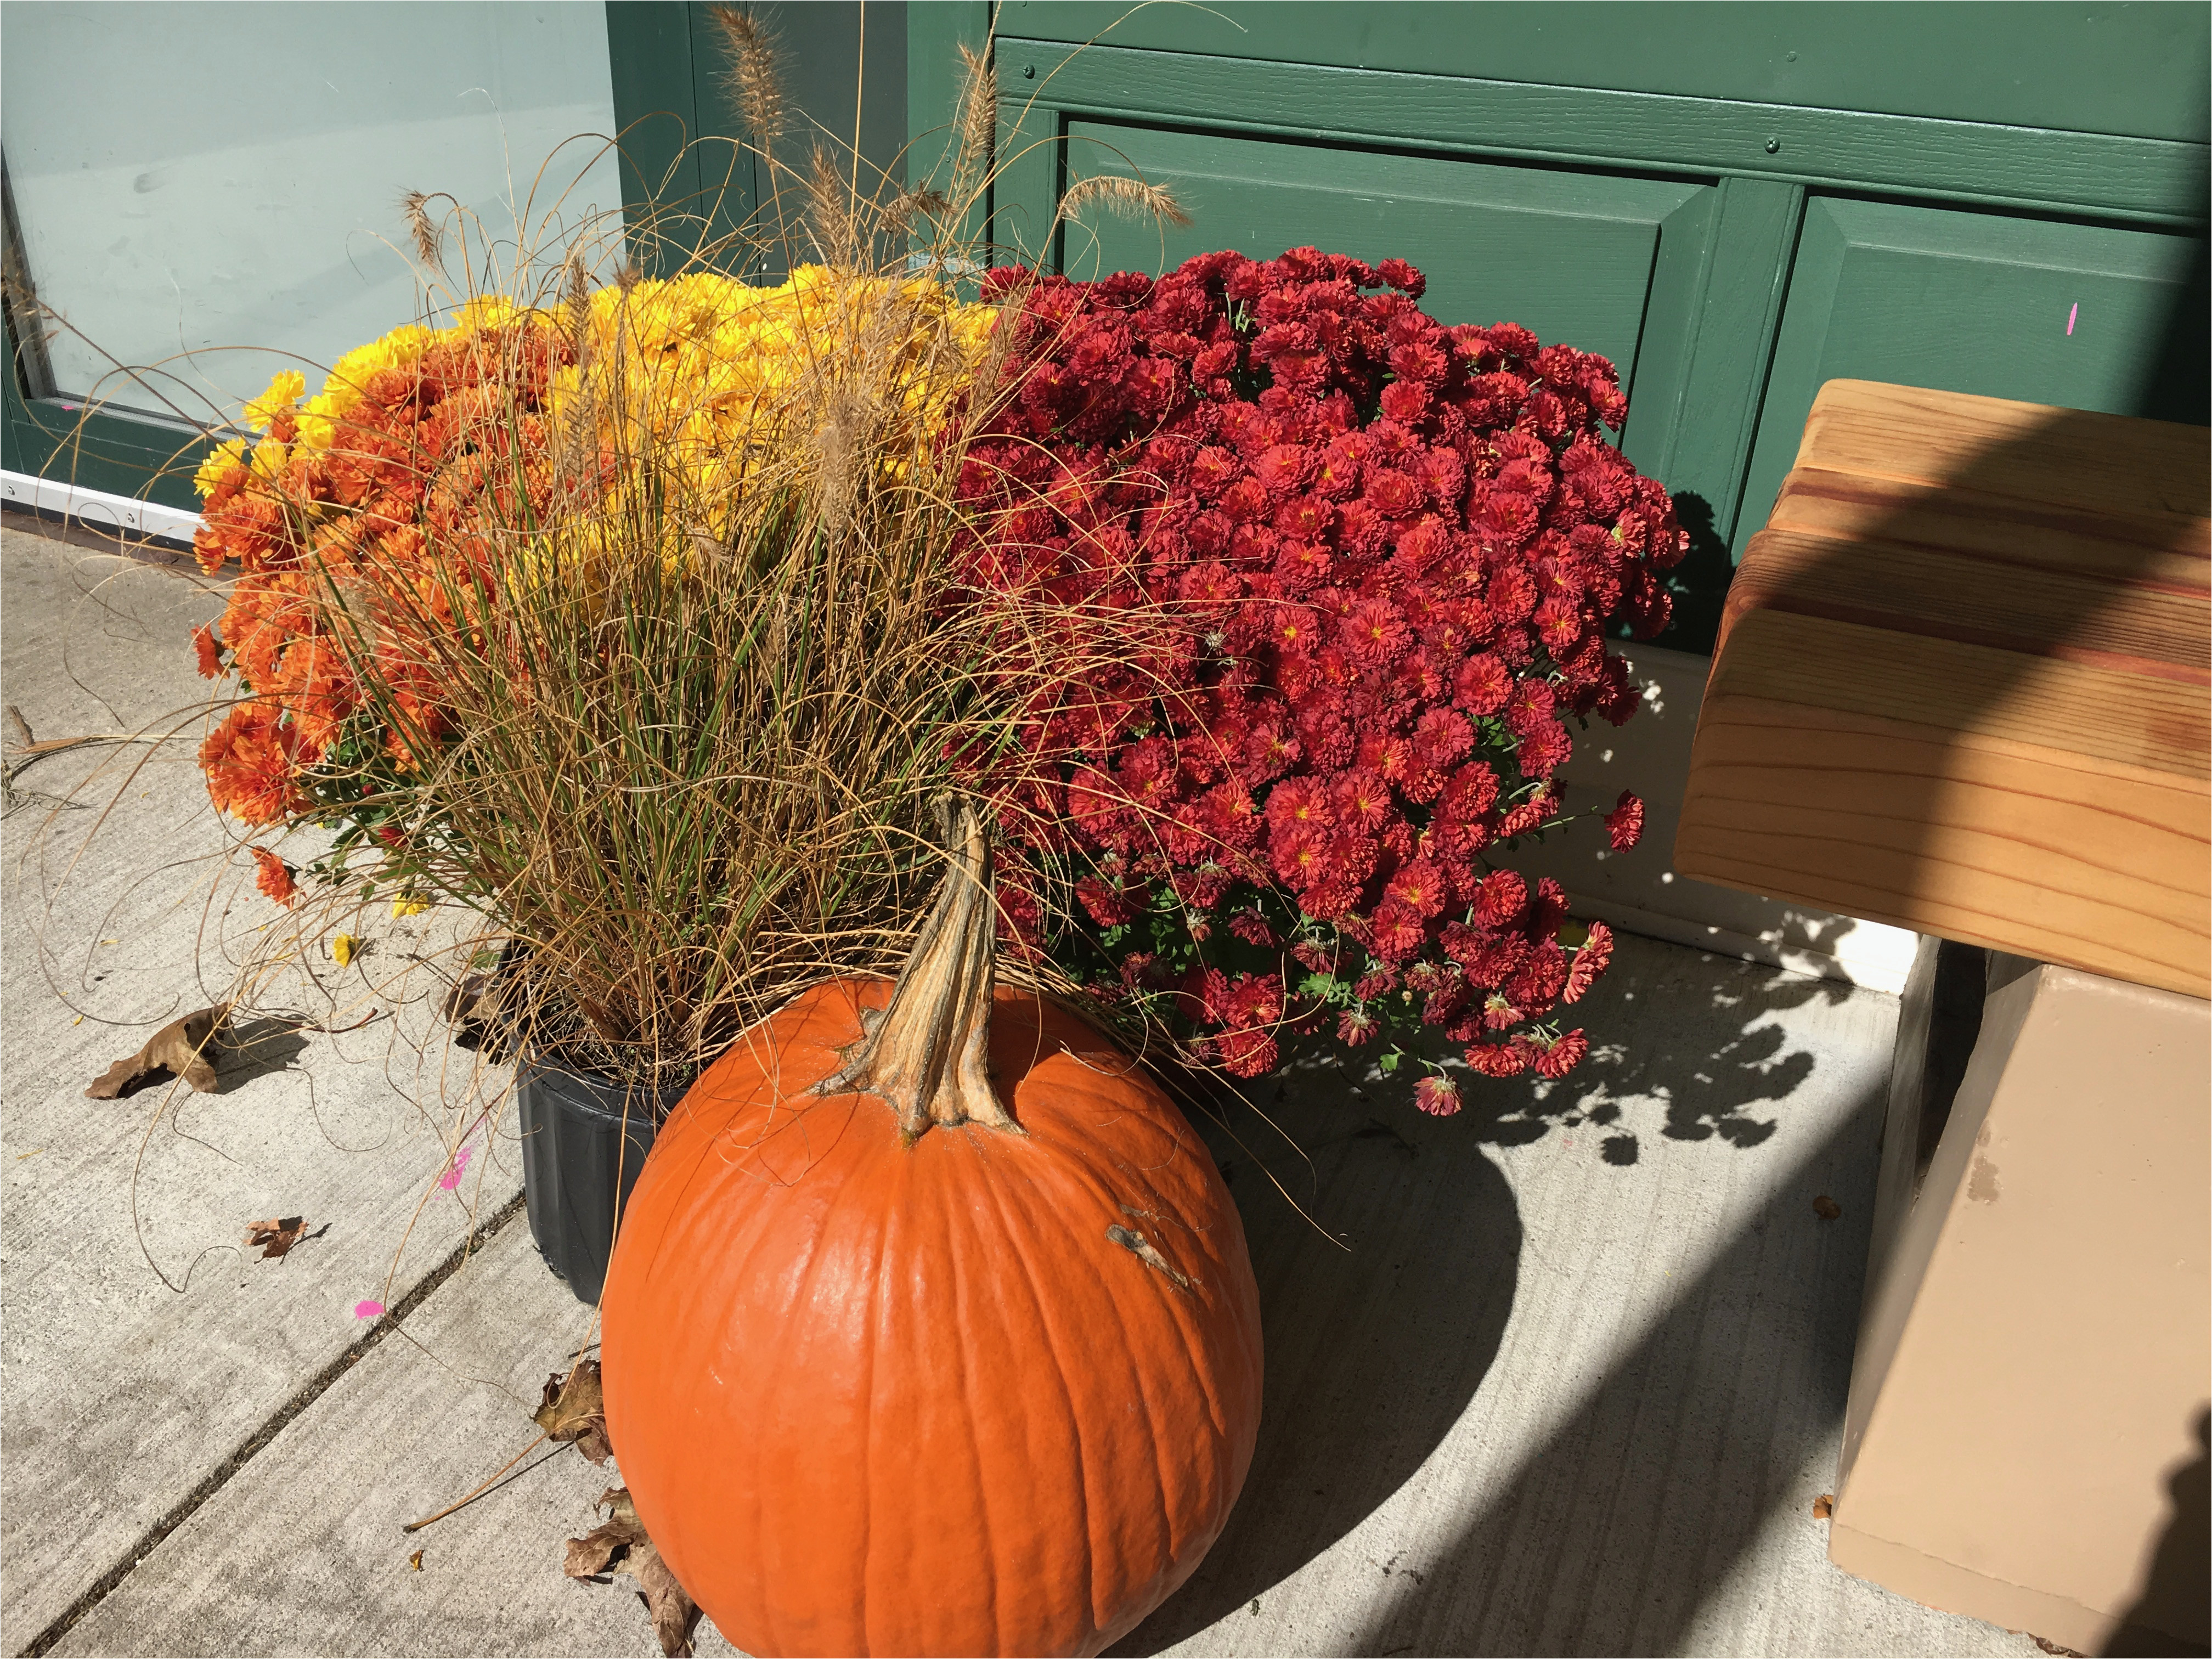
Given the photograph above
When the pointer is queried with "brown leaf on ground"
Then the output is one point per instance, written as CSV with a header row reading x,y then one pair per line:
x,y
1824,1506
276,1235
178,1047
414,1561
2049,1646
619,1545
476,1009
572,1411
1826,1208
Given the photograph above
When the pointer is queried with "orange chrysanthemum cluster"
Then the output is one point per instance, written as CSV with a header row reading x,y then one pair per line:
x,y
356,534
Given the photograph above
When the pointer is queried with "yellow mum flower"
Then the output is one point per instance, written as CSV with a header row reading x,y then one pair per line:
x,y
220,460
283,391
343,949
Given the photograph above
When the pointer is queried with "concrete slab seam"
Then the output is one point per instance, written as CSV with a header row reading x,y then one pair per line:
x,y
266,1432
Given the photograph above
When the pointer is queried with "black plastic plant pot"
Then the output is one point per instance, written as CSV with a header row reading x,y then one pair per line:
x,y
585,1137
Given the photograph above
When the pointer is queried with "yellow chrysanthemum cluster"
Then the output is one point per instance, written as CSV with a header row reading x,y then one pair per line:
x,y
706,372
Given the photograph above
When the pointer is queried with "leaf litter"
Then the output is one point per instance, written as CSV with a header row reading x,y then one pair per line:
x,y
179,1047
619,1545
274,1236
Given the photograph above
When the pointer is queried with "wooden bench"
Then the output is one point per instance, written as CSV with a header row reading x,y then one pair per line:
x,y
1962,681
1962,685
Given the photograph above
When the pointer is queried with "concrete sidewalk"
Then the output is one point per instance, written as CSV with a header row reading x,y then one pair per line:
x,y
1562,1375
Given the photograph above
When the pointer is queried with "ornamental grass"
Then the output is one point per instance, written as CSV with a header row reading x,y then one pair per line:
x,y
621,611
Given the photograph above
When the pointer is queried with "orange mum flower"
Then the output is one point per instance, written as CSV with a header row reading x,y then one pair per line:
x,y
249,761
203,642
274,877
318,691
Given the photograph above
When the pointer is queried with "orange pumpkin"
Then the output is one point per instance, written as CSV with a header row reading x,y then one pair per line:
x,y
892,1369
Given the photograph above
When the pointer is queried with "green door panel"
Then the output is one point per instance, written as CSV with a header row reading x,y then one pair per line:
x,y
2138,70
2080,316
1576,257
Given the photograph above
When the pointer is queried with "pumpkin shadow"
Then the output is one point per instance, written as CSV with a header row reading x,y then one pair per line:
x,y
1382,1306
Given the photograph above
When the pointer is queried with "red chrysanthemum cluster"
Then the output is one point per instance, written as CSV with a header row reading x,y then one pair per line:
x,y
1361,565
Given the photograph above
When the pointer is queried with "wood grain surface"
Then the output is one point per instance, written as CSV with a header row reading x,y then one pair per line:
x,y
1980,710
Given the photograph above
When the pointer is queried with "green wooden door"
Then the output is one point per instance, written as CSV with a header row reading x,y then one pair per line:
x,y
2081,316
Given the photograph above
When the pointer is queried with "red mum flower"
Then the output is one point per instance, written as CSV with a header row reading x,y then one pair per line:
x,y
1441,736
1419,888
1300,807
1436,1096
1108,906
1293,629
1406,400
1248,1053
1556,1057
1531,814
1354,1027
1406,279
1394,495
1399,933
1497,960
1252,927
1504,899
1498,1012
1375,633
1283,469
1593,959
1361,798
1529,706
1559,625
1482,685
1624,824
1541,979
274,877
1544,750
1498,1058
1472,791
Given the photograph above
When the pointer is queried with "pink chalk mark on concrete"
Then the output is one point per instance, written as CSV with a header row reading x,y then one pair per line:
x,y
451,1178
2070,316
371,1308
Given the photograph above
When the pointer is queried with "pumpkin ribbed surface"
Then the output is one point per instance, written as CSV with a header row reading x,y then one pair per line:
x,y
979,1391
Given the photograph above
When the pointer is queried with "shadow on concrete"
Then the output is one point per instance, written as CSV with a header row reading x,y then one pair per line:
x,y
1614,1530
1706,1090
2179,1582
1375,1350
1374,1346
256,1048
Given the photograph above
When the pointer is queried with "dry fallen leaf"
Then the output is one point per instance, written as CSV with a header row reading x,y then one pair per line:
x,y
1826,1208
276,1236
472,1009
178,1047
414,1561
1824,1506
572,1411
620,1544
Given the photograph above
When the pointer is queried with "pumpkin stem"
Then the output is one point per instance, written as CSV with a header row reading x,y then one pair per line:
x,y
928,1052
